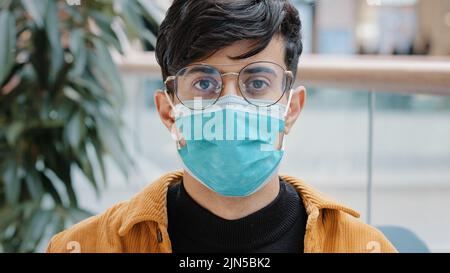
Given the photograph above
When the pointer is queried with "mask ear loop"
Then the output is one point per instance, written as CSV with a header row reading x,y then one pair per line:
x,y
288,103
175,135
291,92
169,100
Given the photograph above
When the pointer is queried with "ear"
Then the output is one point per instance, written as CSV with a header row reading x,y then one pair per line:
x,y
164,108
297,102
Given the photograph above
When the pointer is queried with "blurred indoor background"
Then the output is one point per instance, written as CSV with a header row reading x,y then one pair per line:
x,y
375,132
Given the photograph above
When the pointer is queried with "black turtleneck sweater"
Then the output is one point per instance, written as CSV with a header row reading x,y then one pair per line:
x,y
277,228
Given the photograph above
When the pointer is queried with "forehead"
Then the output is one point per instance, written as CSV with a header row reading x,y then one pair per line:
x,y
274,52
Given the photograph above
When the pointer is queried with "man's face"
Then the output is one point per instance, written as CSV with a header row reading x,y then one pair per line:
x,y
274,53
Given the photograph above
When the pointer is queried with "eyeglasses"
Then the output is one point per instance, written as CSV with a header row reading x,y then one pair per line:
x,y
261,84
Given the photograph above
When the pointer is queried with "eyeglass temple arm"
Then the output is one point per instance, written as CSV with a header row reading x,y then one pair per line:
x,y
170,78
291,91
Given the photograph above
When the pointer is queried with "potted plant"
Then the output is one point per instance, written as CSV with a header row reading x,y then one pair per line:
x,y
60,103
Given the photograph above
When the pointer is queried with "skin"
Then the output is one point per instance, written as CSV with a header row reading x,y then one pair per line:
x,y
232,208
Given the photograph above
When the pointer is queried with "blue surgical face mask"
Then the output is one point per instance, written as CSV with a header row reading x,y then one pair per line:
x,y
232,148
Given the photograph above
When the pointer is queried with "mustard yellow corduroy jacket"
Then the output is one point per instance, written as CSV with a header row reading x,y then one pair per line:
x,y
140,225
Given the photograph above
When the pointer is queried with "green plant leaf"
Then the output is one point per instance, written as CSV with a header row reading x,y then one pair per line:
x,y
74,130
52,29
85,165
99,154
113,143
105,25
102,62
60,178
35,228
78,48
8,215
14,131
50,189
129,10
8,39
37,10
73,199
74,12
93,87
78,214
40,60
153,12
12,182
57,223
34,184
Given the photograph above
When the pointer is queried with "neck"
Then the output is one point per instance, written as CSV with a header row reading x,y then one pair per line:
x,y
231,208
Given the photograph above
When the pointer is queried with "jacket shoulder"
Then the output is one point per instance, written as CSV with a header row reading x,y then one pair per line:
x,y
352,235
95,234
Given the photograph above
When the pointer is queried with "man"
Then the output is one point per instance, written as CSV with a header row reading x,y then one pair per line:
x,y
229,68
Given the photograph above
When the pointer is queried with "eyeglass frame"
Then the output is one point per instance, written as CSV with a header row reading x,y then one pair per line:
x,y
222,75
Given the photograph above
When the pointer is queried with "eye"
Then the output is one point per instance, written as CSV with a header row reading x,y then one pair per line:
x,y
257,85
206,85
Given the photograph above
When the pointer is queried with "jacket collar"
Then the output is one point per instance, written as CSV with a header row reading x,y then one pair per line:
x,y
150,204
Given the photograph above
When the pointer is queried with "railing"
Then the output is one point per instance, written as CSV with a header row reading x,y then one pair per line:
x,y
413,75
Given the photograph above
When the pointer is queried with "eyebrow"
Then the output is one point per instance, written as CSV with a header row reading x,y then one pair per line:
x,y
259,69
203,69
252,70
